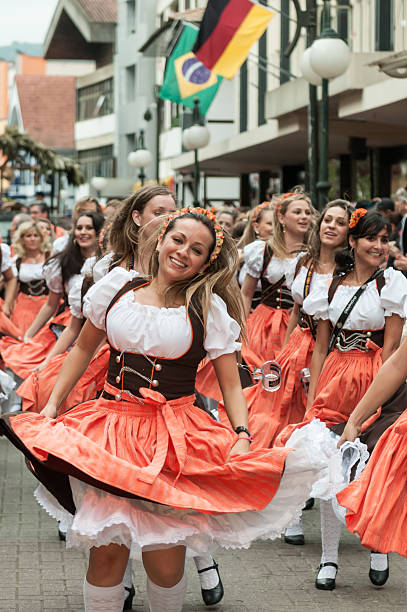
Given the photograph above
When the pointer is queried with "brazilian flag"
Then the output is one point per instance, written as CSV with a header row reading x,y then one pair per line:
x,y
186,78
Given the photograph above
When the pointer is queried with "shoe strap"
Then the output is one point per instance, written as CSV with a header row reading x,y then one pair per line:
x,y
206,569
328,564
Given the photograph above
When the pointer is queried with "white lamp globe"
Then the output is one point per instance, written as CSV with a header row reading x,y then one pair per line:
x,y
185,140
99,182
329,57
140,158
306,70
198,136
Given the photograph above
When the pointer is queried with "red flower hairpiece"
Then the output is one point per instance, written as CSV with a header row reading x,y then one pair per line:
x,y
206,212
356,216
259,208
284,197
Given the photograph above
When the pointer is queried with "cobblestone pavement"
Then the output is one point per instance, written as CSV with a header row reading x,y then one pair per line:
x,y
37,573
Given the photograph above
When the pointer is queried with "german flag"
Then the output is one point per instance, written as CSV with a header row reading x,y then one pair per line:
x,y
228,30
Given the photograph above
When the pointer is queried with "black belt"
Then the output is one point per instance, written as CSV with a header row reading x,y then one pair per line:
x,y
356,339
34,288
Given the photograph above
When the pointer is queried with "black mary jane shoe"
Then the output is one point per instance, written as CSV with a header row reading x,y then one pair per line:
x,y
326,584
309,504
212,596
295,540
379,577
61,535
128,602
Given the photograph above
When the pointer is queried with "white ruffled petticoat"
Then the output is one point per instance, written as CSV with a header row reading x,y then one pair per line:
x,y
312,469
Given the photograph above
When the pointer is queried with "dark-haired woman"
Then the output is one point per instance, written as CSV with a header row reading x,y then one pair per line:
x,y
273,262
360,320
60,271
269,412
149,472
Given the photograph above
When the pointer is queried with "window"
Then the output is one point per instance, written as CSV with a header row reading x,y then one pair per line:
x,y
131,83
97,162
130,143
243,98
343,14
262,77
95,100
384,25
131,8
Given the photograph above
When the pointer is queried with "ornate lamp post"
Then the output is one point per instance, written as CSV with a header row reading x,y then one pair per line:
x,y
140,158
194,138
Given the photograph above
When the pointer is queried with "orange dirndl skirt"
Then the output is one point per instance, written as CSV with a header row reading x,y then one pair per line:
x,y
23,357
377,500
270,412
266,330
36,389
26,309
149,471
344,379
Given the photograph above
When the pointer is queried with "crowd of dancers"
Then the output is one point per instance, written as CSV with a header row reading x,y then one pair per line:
x,y
139,345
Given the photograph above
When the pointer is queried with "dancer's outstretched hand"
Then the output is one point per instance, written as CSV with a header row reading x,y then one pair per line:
x,y
49,411
242,447
350,433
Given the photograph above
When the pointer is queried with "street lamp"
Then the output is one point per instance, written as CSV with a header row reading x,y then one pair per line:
x,y
194,138
140,158
327,58
99,183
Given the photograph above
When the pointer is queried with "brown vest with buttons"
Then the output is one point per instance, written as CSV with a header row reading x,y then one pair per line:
x,y
277,295
173,378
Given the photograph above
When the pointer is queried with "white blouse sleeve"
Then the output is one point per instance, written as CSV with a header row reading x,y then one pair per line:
x,y
99,296
253,257
316,302
87,267
393,296
59,244
74,299
291,266
5,258
101,267
53,275
222,331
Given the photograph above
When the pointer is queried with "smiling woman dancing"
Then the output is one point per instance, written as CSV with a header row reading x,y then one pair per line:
x,y
141,469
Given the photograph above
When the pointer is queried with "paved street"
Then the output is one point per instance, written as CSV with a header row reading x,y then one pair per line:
x,y
37,573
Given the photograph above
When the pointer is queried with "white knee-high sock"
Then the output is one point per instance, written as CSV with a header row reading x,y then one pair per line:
x,y
295,529
378,561
128,575
163,599
331,535
103,599
208,579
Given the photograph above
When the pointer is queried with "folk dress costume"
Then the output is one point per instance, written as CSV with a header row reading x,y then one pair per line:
x,y
32,295
36,389
267,324
142,466
269,412
7,327
23,357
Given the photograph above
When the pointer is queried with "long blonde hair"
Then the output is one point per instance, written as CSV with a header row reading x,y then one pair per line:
x,y
21,231
219,277
277,241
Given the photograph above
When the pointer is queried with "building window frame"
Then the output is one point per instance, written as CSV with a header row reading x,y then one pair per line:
x,y
384,25
95,100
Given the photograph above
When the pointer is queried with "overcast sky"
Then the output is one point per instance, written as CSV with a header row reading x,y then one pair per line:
x,y
25,20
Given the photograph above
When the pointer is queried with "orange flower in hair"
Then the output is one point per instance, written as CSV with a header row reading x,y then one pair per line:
x,y
259,208
284,197
356,216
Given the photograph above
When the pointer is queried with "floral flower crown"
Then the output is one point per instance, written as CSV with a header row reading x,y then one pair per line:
x,y
102,234
290,194
356,216
259,208
206,212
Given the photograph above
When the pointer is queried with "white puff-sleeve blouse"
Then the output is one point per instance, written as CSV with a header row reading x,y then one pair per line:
x,y
276,268
371,308
28,272
159,332
53,277
5,257
297,287
75,293
101,267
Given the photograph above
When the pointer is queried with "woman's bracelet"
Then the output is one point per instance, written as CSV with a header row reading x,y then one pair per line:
x,y
244,430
